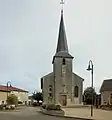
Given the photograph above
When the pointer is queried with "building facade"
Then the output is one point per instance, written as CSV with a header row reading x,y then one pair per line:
x,y
106,92
62,86
20,93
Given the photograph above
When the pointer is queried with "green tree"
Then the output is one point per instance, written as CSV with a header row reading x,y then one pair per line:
x,y
89,95
12,100
37,96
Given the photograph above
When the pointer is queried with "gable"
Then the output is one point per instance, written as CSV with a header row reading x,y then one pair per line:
x,y
48,75
106,85
47,79
78,76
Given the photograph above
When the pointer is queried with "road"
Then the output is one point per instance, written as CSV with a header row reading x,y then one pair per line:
x,y
28,113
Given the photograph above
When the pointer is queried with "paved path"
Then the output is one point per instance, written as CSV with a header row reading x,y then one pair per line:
x,y
85,113
28,113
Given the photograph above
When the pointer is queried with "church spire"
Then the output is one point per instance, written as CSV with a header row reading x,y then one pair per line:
x,y
62,46
62,40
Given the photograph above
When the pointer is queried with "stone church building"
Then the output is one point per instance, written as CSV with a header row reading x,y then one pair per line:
x,y
62,86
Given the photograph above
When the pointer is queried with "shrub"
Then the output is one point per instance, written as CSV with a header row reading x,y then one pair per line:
x,y
44,106
35,104
51,107
12,100
12,107
58,107
1,107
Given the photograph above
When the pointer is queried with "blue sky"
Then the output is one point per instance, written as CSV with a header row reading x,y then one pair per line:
x,y
29,32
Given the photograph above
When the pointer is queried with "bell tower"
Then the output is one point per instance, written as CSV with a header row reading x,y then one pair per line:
x,y
62,65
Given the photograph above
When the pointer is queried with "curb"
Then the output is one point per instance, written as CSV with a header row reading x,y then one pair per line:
x,y
84,106
14,110
77,118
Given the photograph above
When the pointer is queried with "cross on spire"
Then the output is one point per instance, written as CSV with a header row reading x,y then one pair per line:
x,y
62,4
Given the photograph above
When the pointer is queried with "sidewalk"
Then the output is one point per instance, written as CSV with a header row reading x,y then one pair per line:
x,y
98,114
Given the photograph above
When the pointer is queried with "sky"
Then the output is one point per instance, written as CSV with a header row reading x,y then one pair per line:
x,y
29,34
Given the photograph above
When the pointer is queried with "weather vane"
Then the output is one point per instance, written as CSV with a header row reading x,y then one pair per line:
x,y
62,3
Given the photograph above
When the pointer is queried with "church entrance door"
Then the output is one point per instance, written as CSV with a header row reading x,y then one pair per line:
x,y
63,100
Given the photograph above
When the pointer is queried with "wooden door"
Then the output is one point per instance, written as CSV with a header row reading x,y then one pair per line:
x,y
63,100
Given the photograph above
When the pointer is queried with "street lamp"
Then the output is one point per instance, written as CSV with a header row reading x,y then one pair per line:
x,y
90,68
8,83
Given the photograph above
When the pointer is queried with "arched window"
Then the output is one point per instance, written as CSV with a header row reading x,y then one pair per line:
x,y
76,91
63,62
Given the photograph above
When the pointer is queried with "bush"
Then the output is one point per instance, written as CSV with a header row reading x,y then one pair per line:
x,y
7,107
12,100
106,106
44,106
12,107
51,107
35,104
58,107
1,107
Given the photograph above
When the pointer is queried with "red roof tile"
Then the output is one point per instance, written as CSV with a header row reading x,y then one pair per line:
x,y
4,88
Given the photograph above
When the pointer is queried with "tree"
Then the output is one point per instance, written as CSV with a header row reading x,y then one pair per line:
x,y
12,100
98,99
37,96
89,95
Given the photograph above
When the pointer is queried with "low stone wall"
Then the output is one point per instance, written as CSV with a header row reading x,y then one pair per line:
x,y
75,106
53,112
60,114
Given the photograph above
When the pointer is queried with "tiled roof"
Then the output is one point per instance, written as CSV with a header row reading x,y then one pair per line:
x,y
4,88
106,85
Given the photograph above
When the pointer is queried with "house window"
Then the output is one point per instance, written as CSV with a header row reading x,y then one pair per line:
x,y
63,61
76,91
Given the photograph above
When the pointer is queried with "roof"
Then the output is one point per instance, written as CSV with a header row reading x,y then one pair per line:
x,y
63,54
62,40
62,46
10,88
49,74
106,85
79,76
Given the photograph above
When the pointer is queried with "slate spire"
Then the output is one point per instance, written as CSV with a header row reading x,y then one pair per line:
x,y
62,46
62,40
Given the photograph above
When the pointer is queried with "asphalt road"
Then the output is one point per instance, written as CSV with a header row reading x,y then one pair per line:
x,y
28,113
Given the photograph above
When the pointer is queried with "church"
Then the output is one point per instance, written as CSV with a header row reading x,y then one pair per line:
x,y
62,86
